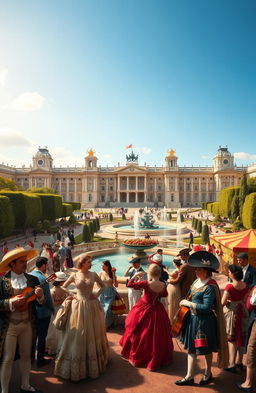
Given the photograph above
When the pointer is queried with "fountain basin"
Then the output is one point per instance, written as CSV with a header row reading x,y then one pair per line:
x,y
120,259
128,230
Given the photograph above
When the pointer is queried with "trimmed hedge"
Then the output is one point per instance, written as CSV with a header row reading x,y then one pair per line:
x,y
33,209
205,234
27,208
6,217
249,211
215,208
225,200
67,209
87,236
51,206
75,205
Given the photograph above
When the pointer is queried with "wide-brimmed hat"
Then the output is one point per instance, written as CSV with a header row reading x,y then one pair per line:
x,y
15,254
184,251
60,276
242,255
155,258
204,259
135,260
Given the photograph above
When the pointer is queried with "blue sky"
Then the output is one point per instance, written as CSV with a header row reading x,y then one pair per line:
x,y
107,73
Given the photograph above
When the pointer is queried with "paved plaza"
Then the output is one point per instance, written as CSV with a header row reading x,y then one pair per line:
x,y
121,376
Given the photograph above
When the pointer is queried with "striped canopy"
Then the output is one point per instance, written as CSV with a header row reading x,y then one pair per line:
x,y
244,241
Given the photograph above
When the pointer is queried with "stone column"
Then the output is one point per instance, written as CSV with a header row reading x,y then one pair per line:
x,y
192,191
155,189
118,188
68,188
184,192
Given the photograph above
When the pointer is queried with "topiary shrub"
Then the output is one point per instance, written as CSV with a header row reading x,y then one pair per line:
x,y
87,236
51,206
7,221
249,211
199,226
123,216
67,209
225,200
110,217
205,234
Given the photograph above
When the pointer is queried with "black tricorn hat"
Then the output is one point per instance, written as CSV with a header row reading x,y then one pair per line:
x,y
204,259
135,260
184,251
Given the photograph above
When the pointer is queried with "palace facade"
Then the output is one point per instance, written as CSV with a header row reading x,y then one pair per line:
x,y
132,184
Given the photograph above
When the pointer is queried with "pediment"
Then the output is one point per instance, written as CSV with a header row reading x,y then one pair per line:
x,y
131,168
40,171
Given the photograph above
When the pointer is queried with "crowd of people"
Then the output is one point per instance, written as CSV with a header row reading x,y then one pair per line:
x,y
50,311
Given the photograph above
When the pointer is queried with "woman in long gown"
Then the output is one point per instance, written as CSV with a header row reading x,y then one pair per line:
x,y
174,295
147,340
236,316
58,296
108,277
204,329
84,351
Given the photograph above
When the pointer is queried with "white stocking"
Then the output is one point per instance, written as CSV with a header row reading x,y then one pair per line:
x,y
191,366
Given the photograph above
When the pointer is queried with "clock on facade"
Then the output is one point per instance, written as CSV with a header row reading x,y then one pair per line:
x,y
40,162
225,162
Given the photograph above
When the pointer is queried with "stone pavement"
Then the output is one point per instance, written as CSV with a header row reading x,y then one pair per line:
x,y
121,376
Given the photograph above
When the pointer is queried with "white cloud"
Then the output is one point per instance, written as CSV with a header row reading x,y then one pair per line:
x,y
12,138
3,75
27,102
64,157
245,156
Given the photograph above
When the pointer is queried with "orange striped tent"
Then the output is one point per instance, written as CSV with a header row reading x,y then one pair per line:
x,y
233,243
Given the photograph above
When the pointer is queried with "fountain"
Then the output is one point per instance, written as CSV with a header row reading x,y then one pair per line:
x,y
164,216
138,246
136,223
147,221
179,229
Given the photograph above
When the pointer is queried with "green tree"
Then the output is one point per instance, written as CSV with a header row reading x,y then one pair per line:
x,y
98,223
199,226
90,225
87,236
205,234
235,208
95,227
8,184
243,192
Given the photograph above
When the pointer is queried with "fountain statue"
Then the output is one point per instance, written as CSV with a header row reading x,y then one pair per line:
x,y
147,221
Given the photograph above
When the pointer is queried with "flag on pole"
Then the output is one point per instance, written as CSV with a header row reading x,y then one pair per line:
x,y
129,147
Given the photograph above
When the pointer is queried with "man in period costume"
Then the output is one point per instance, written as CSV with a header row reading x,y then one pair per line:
x,y
17,327
249,272
186,274
44,311
133,294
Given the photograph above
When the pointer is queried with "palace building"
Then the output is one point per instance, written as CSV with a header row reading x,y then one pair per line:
x,y
131,184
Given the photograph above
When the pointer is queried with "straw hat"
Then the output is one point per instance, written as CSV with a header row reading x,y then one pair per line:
x,y
60,276
15,254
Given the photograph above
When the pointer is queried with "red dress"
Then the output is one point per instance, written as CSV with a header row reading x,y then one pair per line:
x,y
237,324
147,340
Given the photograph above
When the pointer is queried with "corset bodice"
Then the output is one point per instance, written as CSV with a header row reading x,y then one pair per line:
x,y
84,284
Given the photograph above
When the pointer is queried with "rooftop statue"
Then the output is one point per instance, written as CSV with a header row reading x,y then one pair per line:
x,y
132,157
